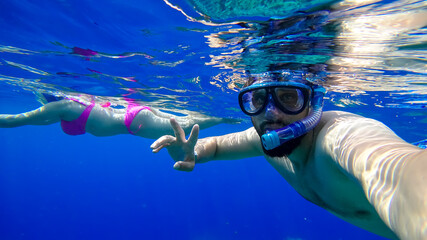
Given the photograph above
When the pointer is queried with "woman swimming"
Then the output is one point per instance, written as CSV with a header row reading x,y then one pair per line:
x,y
82,114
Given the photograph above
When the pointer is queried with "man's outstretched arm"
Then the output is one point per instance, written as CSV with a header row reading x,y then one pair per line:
x,y
392,172
227,147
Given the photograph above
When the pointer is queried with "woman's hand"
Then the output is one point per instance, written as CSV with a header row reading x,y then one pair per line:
x,y
180,149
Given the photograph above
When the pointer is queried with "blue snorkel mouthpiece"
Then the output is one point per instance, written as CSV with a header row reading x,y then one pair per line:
x,y
277,137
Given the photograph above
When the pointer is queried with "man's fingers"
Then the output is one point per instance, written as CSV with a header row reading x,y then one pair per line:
x,y
156,150
162,142
179,132
184,166
194,135
179,146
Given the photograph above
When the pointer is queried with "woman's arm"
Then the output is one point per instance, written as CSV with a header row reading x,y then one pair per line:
x,y
188,120
156,124
392,172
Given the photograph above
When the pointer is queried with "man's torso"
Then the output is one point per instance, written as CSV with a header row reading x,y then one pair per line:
x,y
320,180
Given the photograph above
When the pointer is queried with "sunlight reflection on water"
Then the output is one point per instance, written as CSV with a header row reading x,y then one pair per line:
x,y
353,48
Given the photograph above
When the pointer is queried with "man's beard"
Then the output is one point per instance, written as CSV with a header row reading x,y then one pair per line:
x,y
285,149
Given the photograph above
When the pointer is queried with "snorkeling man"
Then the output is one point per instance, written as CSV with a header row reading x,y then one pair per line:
x,y
354,167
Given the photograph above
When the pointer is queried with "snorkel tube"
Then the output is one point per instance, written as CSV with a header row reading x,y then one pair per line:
x,y
277,137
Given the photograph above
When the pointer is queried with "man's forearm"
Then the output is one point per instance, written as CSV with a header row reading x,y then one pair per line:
x,y
228,147
408,207
205,149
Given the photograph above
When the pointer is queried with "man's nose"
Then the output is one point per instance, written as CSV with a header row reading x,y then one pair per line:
x,y
271,109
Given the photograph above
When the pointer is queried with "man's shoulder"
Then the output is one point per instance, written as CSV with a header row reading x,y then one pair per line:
x,y
343,127
347,123
340,117
332,115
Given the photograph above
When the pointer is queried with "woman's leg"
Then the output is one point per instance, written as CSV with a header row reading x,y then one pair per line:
x,y
45,115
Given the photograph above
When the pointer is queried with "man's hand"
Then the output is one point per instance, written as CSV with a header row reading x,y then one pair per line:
x,y
180,149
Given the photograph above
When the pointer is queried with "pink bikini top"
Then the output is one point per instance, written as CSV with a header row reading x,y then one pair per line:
x,y
78,126
131,112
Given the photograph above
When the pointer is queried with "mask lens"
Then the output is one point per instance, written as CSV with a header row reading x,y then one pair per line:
x,y
292,99
254,100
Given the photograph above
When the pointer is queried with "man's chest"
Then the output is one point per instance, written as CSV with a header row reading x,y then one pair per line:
x,y
325,186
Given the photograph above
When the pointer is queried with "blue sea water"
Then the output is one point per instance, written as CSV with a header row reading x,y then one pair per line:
x,y
56,186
